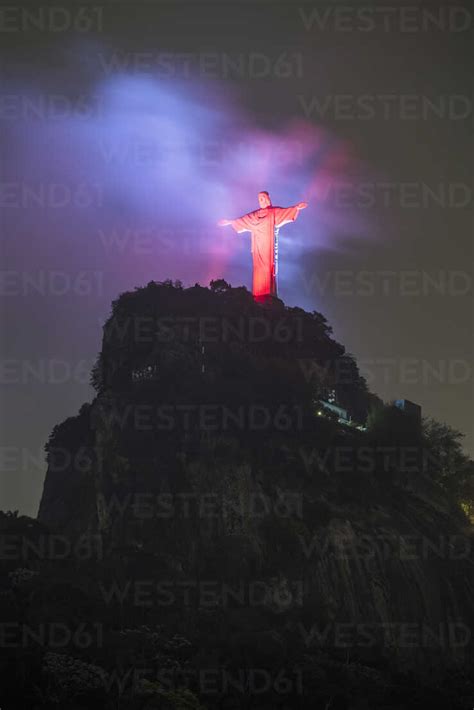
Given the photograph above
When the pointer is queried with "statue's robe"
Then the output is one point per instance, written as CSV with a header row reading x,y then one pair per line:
x,y
262,224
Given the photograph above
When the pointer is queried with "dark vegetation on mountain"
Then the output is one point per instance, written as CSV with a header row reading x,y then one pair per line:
x,y
209,536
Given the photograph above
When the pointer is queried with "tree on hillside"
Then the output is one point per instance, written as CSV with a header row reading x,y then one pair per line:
x,y
446,462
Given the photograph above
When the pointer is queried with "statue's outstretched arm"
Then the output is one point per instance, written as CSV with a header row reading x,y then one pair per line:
x,y
241,224
284,215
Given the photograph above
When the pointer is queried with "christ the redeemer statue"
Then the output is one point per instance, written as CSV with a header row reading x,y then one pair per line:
x,y
262,224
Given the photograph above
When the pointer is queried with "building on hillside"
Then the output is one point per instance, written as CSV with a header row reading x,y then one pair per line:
x,y
343,415
410,408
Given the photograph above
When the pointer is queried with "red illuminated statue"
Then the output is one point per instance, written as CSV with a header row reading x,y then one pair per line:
x,y
263,223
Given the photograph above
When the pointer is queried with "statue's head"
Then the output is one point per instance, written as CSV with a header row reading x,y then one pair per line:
x,y
264,199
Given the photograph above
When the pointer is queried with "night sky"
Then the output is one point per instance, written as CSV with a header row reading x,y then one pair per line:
x,y
129,129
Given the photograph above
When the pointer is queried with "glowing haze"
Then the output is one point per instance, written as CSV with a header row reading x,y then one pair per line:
x,y
133,181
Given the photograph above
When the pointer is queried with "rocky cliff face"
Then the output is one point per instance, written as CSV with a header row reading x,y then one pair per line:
x,y
242,518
